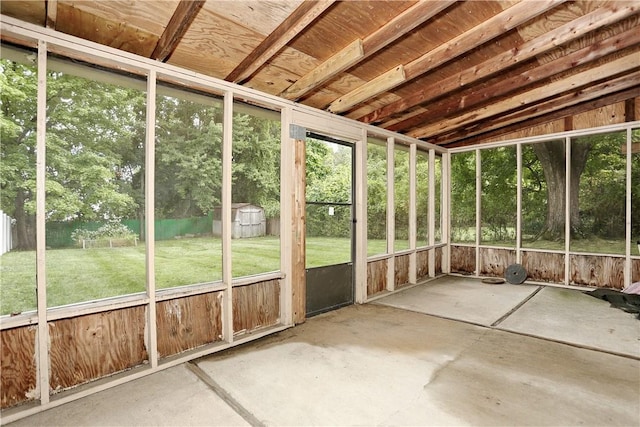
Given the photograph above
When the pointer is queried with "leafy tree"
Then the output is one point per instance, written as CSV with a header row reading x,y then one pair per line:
x,y
376,191
463,196
256,162
89,125
18,87
188,158
498,203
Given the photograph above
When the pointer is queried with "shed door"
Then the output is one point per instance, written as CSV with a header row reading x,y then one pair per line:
x,y
329,224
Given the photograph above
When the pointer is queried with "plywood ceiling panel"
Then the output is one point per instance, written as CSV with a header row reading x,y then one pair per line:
x,y
118,34
29,11
261,16
226,34
149,16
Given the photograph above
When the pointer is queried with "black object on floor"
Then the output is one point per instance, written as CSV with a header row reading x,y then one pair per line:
x,y
626,302
515,274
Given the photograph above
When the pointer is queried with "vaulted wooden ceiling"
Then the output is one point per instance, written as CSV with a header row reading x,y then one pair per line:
x,y
445,71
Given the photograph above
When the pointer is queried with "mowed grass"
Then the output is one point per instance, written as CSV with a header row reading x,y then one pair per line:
x,y
77,275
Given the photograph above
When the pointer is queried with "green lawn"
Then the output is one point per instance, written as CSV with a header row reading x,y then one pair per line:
x,y
77,275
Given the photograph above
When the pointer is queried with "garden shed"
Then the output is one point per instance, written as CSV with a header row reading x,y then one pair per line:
x,y
247,221
404,150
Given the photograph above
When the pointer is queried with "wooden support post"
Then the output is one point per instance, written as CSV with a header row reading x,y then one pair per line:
x,y
567,211
519,203
42,347
298,234
627,271
445,210
478,209
361,219
149,216
391,215
227,274
286,190
432,212
413,223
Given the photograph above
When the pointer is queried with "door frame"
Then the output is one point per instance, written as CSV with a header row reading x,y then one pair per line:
x,y
340,270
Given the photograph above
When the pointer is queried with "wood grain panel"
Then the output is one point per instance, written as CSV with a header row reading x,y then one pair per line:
x,y
438,260
30,11
422,265
189,322
214,45
401,270
494,262
544,267
260,16
96,345
18,370
463,259
597,271
635,270
256,306
117,34
376,276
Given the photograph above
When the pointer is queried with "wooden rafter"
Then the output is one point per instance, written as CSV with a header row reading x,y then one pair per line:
x,y
572,30
531,77
295,23
359,50
523,100
478,35
178,25
463,138
501,117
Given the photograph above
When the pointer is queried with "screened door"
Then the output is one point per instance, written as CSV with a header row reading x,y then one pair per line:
x,y
329,224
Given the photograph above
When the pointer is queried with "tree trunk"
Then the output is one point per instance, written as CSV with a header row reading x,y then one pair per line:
x,y
25,225
551,155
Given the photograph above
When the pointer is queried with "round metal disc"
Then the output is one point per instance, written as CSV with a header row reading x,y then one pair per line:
x,y
515,274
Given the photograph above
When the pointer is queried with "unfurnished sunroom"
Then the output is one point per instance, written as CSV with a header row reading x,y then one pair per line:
x,y
383,143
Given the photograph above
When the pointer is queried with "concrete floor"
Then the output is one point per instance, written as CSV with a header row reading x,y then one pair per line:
x,y
383,364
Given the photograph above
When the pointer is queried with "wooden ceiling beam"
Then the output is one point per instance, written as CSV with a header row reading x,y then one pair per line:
x,y
529,113
599,18
522,101
453,49
360,49
463,138
343,60
293,25
177,27
467,101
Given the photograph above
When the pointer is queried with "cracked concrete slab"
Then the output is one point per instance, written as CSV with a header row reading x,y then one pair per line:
x,y
461,298
571,316
378,365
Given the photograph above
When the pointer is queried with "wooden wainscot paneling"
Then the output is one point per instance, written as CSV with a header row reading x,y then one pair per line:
x,y
597,271
256,306
438,260
376,276
635,270
401,270
422,264
463,259
88,347
494,261
189,322
544,267
18,365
